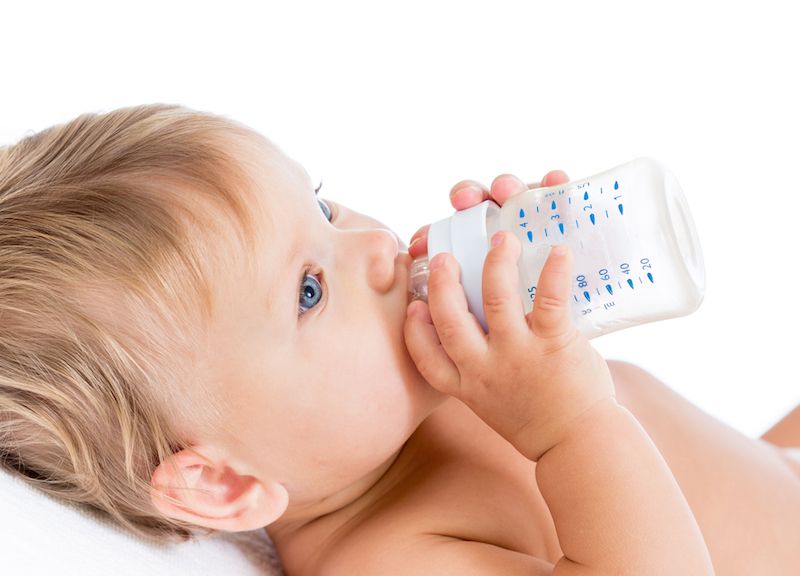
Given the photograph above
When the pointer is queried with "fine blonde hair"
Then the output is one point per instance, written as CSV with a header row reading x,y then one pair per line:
x,y
103,292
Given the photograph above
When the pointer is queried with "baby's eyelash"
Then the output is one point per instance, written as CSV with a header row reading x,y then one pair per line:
x,y
334,210
317,189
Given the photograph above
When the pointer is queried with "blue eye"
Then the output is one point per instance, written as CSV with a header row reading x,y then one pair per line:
x,y
310,293
326,210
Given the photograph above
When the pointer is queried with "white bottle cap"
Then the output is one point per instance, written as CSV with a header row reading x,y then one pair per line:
x,y
465,235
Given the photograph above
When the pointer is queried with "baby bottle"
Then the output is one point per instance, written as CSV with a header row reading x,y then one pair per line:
x,y
636,253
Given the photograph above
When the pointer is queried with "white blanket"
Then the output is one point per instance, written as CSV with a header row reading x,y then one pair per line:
x,y
42,536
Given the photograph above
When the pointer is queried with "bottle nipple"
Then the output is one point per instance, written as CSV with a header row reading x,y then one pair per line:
x,y
418,279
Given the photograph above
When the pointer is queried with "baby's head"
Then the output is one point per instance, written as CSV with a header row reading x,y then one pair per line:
x,y
177,310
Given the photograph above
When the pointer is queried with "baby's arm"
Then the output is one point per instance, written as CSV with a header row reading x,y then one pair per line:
x,y
538,382
616,506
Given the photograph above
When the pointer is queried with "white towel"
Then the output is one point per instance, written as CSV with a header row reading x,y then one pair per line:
x,y
42,536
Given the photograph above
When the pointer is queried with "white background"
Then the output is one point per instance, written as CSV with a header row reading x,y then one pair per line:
x,y
393,103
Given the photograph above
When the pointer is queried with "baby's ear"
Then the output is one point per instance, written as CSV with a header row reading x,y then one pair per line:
x,y
206,492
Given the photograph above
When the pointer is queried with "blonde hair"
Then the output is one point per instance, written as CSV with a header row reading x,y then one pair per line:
x,y
103,295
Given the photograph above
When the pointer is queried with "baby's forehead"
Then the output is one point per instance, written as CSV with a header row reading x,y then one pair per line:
x,y
265,182
273,193
280,188
268,162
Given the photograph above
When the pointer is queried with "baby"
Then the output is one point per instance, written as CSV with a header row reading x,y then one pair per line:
x,y
192,339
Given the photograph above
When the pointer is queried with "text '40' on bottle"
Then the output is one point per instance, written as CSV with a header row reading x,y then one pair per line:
x,y
637,256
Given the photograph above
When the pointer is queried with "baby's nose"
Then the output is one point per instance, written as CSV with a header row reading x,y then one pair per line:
x,y
382,247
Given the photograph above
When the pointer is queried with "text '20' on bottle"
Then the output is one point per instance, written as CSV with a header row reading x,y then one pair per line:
x,y
637,256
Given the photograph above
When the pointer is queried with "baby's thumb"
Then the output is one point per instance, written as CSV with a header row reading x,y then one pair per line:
x,y
552,310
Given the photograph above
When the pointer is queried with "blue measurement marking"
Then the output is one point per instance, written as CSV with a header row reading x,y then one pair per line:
x,y
530,236
585,195
591,217
545,233
570,199
606,213
608,287
650,277
577,225
587,296
616,185
561,227
576,298
620,208
630,283
521,213
537,209
553,205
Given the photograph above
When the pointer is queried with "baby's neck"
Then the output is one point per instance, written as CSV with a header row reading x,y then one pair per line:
x,y
305,522
301,537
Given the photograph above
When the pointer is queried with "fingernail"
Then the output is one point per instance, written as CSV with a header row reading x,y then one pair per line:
x,y
465,191
436,261
560,250
498,238
414,241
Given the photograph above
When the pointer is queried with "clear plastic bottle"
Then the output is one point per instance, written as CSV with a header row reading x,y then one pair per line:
x,y
637,256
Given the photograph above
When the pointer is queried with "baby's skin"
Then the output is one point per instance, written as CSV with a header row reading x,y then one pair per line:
x,y
547,459
372,435
536,380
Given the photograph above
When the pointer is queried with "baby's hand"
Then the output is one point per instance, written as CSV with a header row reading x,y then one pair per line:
x,y
468,193
532,376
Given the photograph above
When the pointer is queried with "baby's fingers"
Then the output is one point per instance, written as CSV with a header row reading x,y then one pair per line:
x,y
551,316
552,178
418,245
459,331
505,186
468,193
426,351
502,305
